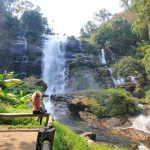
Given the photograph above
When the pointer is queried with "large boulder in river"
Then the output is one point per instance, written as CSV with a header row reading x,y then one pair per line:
x,y
80,103
108,123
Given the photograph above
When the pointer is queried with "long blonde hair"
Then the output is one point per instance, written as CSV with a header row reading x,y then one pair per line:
x,y
35,94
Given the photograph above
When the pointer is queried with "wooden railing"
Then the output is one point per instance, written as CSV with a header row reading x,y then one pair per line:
x,y
45,135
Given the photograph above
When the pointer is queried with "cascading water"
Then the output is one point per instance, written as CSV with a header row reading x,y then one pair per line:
x,y
102,57
142,122
54,66
103,61
116,81
21,61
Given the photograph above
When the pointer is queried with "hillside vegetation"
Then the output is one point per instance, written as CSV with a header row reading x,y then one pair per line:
x,y
127,35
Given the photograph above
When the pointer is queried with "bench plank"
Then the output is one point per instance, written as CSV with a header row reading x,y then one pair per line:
x,y
22,115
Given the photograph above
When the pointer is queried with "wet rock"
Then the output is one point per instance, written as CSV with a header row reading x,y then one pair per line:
x,y
108,123
61,97
76,105
133,134
129,86
33,80
89,135
40,82
116,122
90,118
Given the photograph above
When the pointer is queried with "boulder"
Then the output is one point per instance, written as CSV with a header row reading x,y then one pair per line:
x,y
80,103
133,134
108,123
61,97
76,105
89,135
35,81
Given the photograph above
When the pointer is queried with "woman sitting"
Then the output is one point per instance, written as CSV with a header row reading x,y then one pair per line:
x,y
38,107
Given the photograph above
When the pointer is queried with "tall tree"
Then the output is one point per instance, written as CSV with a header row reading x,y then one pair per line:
x,y
142,23
127,4
88,28
102,16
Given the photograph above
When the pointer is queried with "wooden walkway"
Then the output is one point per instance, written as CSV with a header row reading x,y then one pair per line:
x,y
44,137
22,140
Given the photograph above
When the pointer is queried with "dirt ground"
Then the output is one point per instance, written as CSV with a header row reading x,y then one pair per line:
x,y
17,139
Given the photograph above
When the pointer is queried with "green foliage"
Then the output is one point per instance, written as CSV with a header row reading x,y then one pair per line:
x,y
15,92
12,82
128,66
102,16
12,25
86,31
34,24
142,26
26,87
116,35
88,46
111,102
147,96
4,76
146,59
22,122
126,4
143,52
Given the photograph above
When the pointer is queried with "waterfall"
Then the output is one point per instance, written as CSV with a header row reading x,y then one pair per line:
x,y
116,81
103,60
54,69
20,61
142,122
54,64
102,57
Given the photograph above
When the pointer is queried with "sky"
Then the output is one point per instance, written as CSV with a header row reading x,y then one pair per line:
x,y
68,16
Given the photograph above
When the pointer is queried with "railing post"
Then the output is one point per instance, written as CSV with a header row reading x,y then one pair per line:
x,y
45,139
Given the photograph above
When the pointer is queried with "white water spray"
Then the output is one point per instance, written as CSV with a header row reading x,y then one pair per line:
x,y
103,60
116,81
54,66
142,122
102,57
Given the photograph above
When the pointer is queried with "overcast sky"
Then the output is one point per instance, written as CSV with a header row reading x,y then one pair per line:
x,y
68,16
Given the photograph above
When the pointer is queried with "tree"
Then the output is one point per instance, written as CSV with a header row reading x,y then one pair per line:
x,y
142,23
83,34
126,4
88,29
34,24
102,16
19,6
116,35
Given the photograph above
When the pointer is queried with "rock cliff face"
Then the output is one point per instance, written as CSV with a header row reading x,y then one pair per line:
x,y
22,58
87,67
86,70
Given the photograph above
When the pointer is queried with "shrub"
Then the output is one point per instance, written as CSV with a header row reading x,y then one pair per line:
x,y
147,96
111,102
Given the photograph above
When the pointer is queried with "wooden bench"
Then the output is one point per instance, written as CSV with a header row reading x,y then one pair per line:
x,y
49,118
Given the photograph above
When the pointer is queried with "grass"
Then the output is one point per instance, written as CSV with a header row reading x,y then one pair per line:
x,y
66,139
